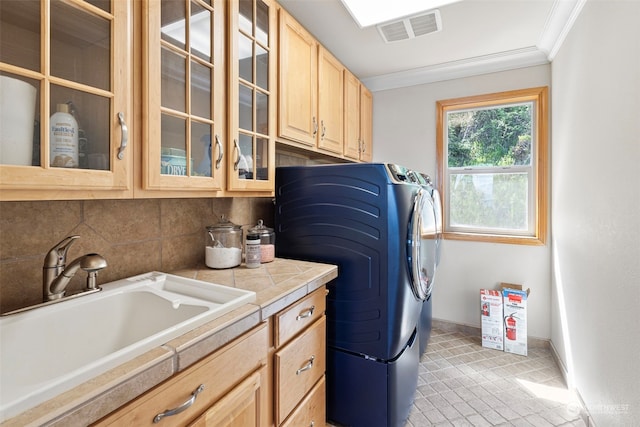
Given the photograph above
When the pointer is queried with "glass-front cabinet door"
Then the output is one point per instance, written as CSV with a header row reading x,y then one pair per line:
x,y
65,99
183,132
251,163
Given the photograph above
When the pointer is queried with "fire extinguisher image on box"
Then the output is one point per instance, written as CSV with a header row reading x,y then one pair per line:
x,y
510,325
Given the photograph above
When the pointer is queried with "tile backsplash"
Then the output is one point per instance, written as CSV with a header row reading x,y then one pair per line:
x,y
134,236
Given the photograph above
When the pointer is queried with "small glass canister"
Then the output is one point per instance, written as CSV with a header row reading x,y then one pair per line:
x,y
267,241
225,247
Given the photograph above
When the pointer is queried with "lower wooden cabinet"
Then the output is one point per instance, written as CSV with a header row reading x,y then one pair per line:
x,y
298,367
274,375
227,388
299,362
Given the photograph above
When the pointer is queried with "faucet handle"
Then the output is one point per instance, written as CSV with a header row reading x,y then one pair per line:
x,y
92,263
57,256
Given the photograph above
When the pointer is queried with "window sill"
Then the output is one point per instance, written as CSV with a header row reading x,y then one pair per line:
x,y
495,238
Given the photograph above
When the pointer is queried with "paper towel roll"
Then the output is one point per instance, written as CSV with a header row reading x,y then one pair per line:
x,y
17,113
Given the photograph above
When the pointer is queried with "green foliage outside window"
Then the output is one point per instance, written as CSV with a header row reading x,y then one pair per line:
x,y
490,137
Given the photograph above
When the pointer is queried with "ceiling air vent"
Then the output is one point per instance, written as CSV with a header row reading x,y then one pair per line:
x,y
410,27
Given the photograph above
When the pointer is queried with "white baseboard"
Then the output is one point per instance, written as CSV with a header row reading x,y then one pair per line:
x,y
446,325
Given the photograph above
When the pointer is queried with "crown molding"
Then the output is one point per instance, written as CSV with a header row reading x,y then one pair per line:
x,y
558,24
560,21
502,61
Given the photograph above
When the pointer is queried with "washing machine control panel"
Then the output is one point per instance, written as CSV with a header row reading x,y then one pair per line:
x,y
402,174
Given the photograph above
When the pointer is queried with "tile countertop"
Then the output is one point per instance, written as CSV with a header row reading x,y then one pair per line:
x,y
277,285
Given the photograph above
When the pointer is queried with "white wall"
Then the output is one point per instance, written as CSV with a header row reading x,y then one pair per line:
x,y
596,209
404,132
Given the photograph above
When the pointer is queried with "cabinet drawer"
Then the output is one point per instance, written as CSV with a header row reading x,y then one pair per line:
x,y
289,322
312,410
298,366
219,373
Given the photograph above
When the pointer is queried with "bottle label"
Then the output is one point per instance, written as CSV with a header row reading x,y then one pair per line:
x,y
252,254
64,144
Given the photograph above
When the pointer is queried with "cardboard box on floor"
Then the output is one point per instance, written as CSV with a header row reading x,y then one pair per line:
x,y
491,319
514,306
503,315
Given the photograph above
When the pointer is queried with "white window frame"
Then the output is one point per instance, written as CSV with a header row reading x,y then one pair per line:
x,y
536,171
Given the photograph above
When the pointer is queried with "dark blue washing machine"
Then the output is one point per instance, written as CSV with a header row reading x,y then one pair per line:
x,y
377,223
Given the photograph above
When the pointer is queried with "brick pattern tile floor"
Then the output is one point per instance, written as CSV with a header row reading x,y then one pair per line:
x,y
463,384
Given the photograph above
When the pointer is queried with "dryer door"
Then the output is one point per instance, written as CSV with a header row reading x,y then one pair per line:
x,y
437,207
422,244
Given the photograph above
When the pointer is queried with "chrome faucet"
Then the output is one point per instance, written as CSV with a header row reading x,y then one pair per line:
x,y
56,274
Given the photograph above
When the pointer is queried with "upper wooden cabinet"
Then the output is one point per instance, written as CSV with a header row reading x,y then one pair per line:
x,y
358,120
311,89
184,97
366,124
252,95
298,70
319,97
72,57
219,115
330,102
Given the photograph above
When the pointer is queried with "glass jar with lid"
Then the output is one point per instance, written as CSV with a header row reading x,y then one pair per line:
x,y
224,249
267,241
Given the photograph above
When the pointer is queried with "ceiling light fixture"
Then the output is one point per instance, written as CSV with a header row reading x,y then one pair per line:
x,y
371,12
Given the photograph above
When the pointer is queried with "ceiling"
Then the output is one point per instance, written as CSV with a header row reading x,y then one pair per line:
x,y
477,37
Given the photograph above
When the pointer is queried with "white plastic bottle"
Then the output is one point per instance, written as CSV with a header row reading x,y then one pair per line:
x,y
252,251
63,138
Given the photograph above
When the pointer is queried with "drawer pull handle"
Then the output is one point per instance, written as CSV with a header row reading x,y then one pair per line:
x,y
306,367
307,313
185,405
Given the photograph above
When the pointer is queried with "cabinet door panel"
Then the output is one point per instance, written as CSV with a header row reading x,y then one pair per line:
x,y
298,118
312,410
351,116
184,105
251,163
366,125
331,102
73,93
239,408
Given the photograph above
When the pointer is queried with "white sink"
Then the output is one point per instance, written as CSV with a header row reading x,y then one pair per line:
x,y
51,349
